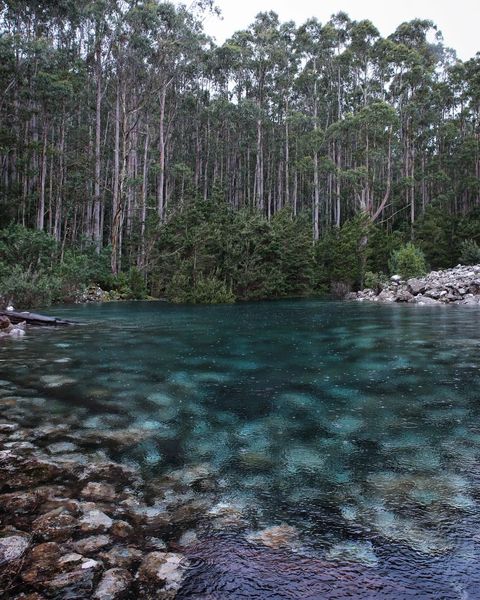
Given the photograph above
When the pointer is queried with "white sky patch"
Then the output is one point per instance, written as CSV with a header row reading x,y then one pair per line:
x,y
458,20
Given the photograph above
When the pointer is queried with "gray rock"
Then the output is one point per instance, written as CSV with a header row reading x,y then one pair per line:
x,y
122,557
56,525
95,521
61,447
416,286
114,585
162,572
99,491
12,548
92,544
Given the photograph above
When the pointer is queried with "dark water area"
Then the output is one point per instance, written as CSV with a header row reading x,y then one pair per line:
x,y
357,425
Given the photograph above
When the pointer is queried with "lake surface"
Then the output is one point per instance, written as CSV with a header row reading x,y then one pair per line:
x,y
358,425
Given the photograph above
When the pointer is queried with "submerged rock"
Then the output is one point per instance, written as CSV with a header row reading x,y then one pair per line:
x,y
279,536
95,521
114,585
56,525
12,548
162,573
99,491
360,552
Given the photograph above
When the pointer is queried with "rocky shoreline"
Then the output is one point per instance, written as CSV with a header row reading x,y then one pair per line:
x,y
460,285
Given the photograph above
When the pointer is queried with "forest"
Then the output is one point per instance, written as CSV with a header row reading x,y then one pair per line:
x,y
291,160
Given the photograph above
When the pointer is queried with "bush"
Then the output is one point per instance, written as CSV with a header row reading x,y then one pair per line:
x,y
374,281
25,289
409,261
206,290
470,253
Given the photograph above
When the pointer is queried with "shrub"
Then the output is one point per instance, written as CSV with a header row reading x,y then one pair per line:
x,y
408,261
25,289
470,253
374,281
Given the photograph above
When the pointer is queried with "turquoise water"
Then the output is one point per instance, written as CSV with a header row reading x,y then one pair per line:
x,y
358,425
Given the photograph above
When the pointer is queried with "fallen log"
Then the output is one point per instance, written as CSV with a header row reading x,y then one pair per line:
x,y
35,319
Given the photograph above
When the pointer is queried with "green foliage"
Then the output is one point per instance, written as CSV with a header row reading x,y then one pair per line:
x,y
210,253
374,281
435,235
409,261
26,289
343,253
470,253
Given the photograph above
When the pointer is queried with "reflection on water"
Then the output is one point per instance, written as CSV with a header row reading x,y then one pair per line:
x,y
357,425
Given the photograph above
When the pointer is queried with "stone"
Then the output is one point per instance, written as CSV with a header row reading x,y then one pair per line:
x,y
189,538
12,548
279,536
41,563
114,585
19,502
92,544
416,286
122,556
95,521
61,447
99,491
58,525
404,296
162,572
122,530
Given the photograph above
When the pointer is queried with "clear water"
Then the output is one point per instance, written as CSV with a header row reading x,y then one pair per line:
x,y
359,425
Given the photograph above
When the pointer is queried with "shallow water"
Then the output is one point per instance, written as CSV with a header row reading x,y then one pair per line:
x,y
358,425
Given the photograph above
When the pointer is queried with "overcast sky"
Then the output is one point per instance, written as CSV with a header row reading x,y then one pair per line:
x,y
459,20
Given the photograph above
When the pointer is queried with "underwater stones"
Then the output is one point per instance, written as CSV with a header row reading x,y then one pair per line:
x,y
12,548
95,521
75,583
124,557
56,525
92,544
62,447
41,563
346,425
190,475
114,585
226,515
276,537
99,491
303,458
162,573
19,502
56,381
188,538
122,530
350,551
118,438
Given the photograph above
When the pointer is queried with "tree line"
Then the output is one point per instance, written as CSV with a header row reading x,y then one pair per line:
x,y
120,121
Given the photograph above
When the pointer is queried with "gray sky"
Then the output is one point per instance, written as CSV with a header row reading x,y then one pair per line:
x,y
459,20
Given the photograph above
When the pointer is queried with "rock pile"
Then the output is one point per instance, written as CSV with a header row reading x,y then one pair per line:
x,y
92,294
460,285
